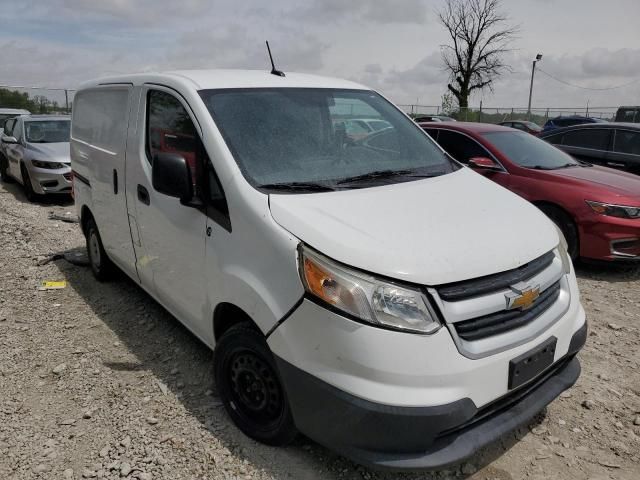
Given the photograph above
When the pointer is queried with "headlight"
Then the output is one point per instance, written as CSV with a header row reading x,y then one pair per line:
x,y
366,297
610,210
48,165
563,252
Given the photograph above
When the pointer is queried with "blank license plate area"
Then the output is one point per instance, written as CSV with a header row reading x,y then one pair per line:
x,y
531,363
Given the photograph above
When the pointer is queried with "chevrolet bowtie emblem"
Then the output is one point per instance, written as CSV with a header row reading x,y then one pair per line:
x,y
522,297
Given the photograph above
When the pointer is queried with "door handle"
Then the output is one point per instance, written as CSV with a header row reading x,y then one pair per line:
x,y
115,181
143,195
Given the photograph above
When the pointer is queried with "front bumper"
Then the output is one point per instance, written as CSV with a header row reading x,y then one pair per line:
x,y
415,438
50,181
610,238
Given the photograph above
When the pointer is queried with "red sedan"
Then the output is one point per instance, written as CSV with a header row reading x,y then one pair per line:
x,y
597,208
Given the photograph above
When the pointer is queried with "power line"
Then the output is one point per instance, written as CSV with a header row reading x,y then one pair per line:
x,y
587,88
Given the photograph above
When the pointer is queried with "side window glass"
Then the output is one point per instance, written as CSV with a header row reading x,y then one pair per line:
x,y
17,131
460,147
596,139
8,127
170,130
627,142
519,126
433,133
555,139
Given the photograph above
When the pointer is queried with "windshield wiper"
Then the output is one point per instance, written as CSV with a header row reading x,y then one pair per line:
x,y
567,165
540,167
298,186
374,175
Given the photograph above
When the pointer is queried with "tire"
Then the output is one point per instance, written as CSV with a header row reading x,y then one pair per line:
x,y
101,266
248,383
31,195
567,226
4,175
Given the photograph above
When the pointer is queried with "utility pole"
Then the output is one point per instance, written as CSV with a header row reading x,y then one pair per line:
x,y
533,71
66,99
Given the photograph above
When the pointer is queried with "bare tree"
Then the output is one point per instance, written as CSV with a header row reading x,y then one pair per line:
x,y
481,35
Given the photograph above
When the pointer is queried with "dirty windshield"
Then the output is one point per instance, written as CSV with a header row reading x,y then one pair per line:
x,y
300,139
47,131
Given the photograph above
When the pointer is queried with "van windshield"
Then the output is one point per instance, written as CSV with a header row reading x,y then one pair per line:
x,y
302,139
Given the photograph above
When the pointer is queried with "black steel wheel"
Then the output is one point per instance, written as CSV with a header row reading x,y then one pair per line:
x,y
251,391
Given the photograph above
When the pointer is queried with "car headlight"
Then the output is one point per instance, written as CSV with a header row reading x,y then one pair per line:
x,y
562,251
611,210
48,165
366,297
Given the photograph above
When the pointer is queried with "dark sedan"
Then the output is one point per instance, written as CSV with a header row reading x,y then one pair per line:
x,y
615,145
560,122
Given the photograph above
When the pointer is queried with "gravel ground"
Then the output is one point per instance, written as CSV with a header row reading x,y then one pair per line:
x,y
98,381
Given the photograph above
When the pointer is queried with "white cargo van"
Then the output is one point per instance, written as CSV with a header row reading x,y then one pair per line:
x,y
368,292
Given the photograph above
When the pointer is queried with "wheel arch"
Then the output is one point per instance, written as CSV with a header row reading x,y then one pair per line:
x,y
85,216
227,315
542,204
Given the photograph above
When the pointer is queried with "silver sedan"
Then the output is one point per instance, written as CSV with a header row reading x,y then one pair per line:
x,y
36,154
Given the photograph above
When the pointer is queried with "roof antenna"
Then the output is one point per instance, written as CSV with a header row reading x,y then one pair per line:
x,y
273,67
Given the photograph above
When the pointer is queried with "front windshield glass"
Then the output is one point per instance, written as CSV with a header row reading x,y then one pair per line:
x,y
322,137
47,131
529,151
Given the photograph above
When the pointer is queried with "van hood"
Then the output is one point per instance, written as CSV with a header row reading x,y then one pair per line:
x,y
432,231
55,152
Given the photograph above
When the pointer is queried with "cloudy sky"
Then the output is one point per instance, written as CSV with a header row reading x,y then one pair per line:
x,y
392,46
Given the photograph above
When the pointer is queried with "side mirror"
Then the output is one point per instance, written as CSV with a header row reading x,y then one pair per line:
x,y
8,139
484,163
171,175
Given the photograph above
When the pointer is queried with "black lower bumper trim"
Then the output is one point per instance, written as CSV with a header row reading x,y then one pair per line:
x,y
417,438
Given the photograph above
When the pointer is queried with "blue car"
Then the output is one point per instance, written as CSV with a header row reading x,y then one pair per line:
x,y
559,122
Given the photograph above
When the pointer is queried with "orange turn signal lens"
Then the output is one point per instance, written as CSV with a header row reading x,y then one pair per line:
x,y
317,278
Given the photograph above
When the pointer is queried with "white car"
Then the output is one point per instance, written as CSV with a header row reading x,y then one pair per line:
x,y
382,299
35,152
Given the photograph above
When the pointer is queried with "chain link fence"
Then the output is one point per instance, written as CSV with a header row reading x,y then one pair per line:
x,y
38,100
504,114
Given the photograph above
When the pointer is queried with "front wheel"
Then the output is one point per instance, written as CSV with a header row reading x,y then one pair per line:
x,y
251,392
4,175
31,195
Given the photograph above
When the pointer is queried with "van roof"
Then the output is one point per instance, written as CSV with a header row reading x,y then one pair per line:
x,y
213,79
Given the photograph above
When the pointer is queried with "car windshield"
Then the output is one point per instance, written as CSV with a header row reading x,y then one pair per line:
x,y
47,131
310,138
529,151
